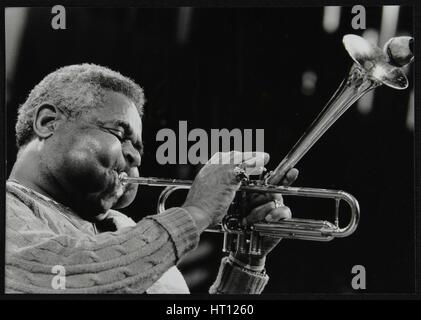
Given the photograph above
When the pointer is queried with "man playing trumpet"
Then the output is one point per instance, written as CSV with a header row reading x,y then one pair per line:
x,y
79,129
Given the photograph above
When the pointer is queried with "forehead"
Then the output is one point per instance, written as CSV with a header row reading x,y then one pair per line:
x,y
116,106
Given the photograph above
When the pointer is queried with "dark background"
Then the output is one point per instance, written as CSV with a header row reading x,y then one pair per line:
x,y
242,68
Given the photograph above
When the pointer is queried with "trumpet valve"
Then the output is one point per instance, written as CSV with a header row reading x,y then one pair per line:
x,y
255,243
229,242
241,243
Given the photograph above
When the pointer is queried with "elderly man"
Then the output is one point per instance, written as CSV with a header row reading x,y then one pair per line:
x,y
78,130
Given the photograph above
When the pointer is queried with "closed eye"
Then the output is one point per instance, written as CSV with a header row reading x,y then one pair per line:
x,y
117,133
120,135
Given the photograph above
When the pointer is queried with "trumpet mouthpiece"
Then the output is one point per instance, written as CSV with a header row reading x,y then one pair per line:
x,y
122,176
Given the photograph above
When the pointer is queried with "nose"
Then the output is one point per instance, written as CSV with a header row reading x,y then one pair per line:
x,y
131,155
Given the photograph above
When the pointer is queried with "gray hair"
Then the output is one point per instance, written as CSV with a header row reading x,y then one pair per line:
x,y
74,89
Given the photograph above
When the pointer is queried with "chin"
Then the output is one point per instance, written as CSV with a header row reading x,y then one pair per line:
x,y
113,197
91,209
127,198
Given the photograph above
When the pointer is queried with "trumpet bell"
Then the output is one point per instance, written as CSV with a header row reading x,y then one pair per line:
x,y
374,62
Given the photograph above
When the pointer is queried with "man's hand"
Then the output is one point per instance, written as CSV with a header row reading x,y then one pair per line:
x,y
267,207
215,185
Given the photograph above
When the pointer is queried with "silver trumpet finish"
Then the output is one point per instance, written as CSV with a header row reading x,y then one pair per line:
x,y
247,239
372,67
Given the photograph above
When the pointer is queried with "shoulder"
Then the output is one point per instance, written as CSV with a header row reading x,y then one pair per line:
x,y
24,225
23,212
17,203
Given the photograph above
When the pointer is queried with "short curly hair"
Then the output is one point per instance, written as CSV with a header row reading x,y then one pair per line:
x,y
73,89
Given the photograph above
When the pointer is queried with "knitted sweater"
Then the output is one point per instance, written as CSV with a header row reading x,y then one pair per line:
x,y
43,236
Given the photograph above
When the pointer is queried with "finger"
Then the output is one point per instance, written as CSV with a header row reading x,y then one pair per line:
x,y
255,165
237,157
257,199
219,158
284,179
256,158
290,177
254,171
259,213
278,214
245,156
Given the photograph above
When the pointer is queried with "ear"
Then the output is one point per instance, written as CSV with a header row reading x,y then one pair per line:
x,y
45,120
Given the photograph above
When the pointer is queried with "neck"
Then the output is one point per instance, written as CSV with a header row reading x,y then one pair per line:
x,y
29,171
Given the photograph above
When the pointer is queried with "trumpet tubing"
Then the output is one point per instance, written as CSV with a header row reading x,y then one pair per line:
x,y
372,67
247,239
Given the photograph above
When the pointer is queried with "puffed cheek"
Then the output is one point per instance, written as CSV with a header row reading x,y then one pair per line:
x,y
110,153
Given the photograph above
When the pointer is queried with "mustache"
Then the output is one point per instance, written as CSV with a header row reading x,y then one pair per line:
x,y
116,187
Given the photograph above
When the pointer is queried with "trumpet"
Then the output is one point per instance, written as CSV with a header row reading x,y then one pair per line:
x,y
372,67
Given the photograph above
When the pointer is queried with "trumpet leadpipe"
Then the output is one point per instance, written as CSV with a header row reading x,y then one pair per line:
x,y
153,181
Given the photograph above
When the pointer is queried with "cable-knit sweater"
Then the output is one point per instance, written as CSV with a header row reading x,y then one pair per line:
x,y
42,234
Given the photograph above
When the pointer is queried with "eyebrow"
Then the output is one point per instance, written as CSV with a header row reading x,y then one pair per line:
x,y
128,131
